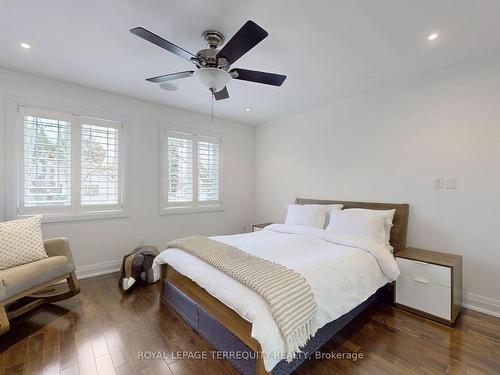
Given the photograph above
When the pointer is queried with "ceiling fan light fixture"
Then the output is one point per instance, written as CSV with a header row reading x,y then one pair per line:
x,y
212,78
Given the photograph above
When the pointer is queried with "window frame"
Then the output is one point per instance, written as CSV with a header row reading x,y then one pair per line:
x,y
193,206
16,111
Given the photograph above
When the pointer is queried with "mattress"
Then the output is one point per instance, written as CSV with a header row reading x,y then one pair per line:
x,y
342,273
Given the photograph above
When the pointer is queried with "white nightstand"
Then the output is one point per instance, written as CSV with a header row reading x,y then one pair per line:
x,y
257,227
430,284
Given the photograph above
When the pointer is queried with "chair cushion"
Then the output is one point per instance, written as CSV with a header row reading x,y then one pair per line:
x,y
21,278
21,242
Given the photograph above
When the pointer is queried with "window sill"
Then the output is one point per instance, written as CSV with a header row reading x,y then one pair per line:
x,y
190,210
91,215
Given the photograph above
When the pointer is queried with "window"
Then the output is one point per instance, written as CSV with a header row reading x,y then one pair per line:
x,y
179,169
99,164
47,162
70,165
208,171
191,172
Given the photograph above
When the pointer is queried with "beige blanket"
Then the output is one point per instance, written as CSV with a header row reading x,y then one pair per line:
x,y
288,294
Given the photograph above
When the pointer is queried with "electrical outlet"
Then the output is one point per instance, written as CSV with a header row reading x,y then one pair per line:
x,y
451,183
438,183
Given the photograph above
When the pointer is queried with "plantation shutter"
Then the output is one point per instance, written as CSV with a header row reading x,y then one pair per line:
x,y
46,168
179,164
191,172
208,171
100,163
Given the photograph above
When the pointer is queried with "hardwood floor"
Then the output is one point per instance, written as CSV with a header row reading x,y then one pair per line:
x,y
102,331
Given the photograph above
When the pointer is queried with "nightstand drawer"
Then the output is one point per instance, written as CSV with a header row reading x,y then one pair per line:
x,y
426,272
427,297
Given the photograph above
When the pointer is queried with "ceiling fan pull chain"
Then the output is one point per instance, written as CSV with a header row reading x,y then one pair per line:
x,y
211,92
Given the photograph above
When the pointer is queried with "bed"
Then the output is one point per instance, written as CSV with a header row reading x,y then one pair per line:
x,y
233,318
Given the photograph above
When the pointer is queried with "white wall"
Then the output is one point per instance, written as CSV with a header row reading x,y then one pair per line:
x,y
98,245
387,146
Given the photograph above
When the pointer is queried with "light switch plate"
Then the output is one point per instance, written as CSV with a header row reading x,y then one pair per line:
x,y
451,183
438,182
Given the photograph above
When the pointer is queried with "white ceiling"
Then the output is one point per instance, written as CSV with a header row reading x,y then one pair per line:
x,y
327,48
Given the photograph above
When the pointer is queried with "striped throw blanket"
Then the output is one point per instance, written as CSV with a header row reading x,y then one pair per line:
x,y
288,294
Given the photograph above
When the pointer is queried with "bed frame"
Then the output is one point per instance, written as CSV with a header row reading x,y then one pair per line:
x,y
228,331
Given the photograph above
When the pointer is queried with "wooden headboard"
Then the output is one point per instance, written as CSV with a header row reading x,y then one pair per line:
x,y
399,224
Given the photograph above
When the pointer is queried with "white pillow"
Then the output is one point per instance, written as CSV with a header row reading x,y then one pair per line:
x,y
372,225
21,242
328,208
311,215
388,216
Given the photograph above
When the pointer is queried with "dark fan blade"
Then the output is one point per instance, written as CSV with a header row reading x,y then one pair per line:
x,y
222,94
171,77
160,42
259,77
243,41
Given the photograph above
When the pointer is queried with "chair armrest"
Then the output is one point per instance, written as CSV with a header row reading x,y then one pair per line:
x,y
59,246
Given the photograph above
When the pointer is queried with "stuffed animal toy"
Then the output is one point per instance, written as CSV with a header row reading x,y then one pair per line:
x,y
138,265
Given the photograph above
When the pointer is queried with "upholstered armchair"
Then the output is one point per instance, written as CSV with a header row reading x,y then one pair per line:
x,y
32,280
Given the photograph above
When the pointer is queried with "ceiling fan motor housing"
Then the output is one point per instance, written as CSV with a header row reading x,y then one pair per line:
x,y
208,57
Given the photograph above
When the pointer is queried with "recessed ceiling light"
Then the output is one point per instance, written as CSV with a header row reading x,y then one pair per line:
x,y
433,36
25,45
168,86
247,109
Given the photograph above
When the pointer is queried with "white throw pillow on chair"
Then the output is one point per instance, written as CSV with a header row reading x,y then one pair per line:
x,y
21,242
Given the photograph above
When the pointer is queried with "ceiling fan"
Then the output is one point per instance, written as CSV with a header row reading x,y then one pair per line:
x,y
214,65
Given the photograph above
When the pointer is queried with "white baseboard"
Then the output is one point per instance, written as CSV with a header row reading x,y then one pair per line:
x,y
482,304
98,269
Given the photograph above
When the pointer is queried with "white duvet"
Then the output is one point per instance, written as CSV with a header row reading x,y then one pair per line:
x,y
342,273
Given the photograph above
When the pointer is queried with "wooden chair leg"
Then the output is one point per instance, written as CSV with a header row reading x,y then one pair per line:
x,y
73,290
37,300
4,320
73,283
25,308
